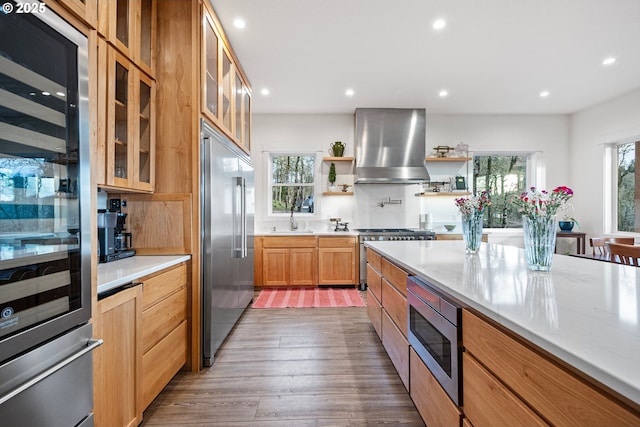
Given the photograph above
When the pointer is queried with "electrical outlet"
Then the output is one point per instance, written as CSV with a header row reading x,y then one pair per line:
x,y
114,204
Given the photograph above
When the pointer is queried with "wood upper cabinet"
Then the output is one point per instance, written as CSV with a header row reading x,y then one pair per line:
x,y
130,26
118,362
130,125
338,260
87,10
226,95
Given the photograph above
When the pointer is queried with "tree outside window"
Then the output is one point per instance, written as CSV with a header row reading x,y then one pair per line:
x,y
504,176
292,183
626,185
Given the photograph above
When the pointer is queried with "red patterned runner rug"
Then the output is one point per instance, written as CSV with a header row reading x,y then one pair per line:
x,y
308,297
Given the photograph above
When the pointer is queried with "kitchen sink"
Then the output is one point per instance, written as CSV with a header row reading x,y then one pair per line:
x,y
292,231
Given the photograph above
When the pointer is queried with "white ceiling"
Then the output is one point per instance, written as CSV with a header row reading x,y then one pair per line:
x,y
494,56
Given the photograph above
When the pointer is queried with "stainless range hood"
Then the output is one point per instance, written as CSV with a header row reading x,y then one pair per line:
x,y
390,146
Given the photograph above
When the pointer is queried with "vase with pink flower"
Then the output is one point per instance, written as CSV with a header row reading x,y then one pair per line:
x,y
539,209
472,212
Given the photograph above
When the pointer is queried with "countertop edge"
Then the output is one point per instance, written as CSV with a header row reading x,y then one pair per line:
x,y
130,269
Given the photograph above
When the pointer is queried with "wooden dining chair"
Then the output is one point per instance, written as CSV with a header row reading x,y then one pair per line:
x,y
625,254
599,244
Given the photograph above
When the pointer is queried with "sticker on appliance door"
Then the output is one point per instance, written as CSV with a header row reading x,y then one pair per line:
x,y
10,322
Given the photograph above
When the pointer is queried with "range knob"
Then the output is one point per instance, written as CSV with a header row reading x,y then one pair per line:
x,y
380,238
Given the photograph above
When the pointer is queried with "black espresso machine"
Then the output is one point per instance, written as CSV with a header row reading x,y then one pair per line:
x,y
114,241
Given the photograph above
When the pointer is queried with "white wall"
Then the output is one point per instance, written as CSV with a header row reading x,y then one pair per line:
x,y
548,134
617,120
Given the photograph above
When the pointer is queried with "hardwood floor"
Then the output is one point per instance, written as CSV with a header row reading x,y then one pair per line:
x,y
291,367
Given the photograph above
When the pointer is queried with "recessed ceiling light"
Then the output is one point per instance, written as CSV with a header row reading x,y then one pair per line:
x,y
544,94
439,24
45,93
264,91
608,61
239,23
60,94
349,92
443,93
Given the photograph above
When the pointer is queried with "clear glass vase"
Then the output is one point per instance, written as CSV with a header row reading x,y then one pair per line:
x,y
539,241
472,232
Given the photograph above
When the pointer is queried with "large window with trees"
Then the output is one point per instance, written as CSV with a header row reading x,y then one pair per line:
x,y
503,176
626,199
292,183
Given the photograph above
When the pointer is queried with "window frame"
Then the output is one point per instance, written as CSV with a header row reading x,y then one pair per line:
x,y
610,187
315,185
535,173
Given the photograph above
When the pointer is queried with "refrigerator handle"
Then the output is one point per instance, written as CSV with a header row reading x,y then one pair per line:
x,y
238,219
243,216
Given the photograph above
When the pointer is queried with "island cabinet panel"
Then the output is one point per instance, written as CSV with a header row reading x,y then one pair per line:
x,y
374,310
374,282
374,260
397,347
395,275
395,304
432,402
554,392
488,403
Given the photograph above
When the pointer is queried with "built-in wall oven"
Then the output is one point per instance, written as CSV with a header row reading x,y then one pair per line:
x,y
435,333
45,213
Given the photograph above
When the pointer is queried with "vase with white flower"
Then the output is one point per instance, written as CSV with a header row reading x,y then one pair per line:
x,y
539,209
472,211
567,222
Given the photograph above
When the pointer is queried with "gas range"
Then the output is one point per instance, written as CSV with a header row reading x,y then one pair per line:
x,y
380,234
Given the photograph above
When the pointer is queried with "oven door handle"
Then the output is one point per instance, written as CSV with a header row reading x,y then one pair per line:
x,y
91,345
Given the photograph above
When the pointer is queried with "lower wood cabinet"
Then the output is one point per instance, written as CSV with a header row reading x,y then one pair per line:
x,y
118,362
499,366
144,329
432,402
397,347
338,260
374,311
282,261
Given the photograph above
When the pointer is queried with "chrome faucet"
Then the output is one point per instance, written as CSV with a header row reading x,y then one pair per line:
x,y
292,222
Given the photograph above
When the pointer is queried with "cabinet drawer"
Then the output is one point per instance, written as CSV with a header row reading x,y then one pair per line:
x,y
430,399
162,362
374,259
162,318
395,304
395,275
336,242
555,393
290,242
489,403
374,282
162,285
374,310
397,347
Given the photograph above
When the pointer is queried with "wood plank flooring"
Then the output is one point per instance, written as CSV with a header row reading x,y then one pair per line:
x,y
291,367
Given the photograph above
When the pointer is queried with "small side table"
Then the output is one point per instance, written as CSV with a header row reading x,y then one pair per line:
x,y
580,239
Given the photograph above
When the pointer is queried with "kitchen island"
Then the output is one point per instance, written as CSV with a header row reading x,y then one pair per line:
x,y
584,313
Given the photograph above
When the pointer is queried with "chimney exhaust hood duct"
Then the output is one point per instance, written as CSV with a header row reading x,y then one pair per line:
x,y
390,146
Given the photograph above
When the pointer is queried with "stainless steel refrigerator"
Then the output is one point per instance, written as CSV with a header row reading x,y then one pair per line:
x,y
227,199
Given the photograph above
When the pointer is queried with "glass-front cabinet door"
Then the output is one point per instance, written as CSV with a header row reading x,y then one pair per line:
x,y
210,99
227,89
146,36
119,125
145,147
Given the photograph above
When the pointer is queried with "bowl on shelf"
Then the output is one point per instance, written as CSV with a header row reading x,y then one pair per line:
x,y
450,227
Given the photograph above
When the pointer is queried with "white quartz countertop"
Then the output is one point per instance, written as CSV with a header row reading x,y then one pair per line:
x,y
585,312
117,273
307,233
